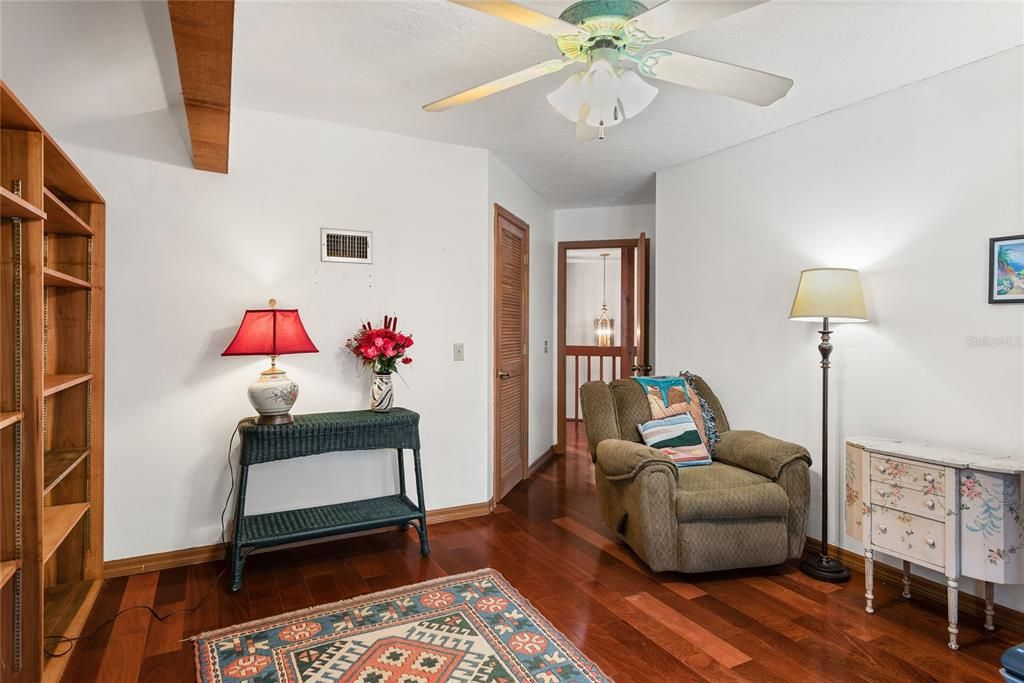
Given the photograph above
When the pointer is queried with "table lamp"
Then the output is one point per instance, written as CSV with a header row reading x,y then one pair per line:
x,y
271,332
824,295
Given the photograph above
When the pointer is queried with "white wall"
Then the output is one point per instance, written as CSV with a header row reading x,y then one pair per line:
x,y
604,222
506,189
907,187
188,251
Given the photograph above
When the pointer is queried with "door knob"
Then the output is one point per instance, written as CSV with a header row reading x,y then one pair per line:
x,y
503,375
931,504
930,542
883,528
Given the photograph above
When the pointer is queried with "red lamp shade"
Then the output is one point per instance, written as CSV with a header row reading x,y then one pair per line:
x,y
270,332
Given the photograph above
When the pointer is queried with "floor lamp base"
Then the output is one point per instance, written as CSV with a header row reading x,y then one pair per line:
x,y
825,568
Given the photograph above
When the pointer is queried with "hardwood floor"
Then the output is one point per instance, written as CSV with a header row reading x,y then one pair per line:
x,y
547,539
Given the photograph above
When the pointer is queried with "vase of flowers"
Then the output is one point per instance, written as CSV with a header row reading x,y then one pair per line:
x,y
382,350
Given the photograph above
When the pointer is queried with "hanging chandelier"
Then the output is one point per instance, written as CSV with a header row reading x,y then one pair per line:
x,y
604,327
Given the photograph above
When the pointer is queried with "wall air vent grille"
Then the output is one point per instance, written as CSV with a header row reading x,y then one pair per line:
x,y
346,246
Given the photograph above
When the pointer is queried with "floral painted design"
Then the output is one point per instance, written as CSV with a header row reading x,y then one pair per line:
x,y
896,469
990,514
283,395
894,494
970,488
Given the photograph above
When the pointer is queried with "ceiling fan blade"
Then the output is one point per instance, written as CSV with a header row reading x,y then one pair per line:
x,y
504,83
675,17
585,133
524,16
738,82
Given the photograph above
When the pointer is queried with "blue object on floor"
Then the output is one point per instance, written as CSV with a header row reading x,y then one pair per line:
x,y
1013,664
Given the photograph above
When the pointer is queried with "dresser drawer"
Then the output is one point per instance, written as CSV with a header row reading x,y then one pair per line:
x,y
931,505
908,474
914,537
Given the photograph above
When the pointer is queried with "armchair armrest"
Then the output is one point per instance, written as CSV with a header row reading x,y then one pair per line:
x,y
636,493
785,463
759,453
620,460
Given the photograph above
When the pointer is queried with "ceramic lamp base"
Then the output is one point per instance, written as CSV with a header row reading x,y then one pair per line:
x,y
273,396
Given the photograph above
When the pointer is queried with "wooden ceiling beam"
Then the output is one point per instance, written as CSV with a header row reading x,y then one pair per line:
x,y
203,36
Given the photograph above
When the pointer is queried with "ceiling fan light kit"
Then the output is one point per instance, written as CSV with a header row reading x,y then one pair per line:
x,y
612,38
603,95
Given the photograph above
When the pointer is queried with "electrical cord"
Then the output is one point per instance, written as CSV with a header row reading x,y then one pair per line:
x,y
52,648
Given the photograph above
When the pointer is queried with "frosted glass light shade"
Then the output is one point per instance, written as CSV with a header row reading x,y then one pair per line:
x,y
634,93
610,95
833,293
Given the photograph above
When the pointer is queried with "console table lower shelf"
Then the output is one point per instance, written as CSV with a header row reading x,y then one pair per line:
x,y
323,433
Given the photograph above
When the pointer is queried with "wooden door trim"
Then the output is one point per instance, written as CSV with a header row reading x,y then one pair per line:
x,y
501,212
563,248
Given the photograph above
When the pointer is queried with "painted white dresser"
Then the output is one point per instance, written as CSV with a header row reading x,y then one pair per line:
x,y
952,511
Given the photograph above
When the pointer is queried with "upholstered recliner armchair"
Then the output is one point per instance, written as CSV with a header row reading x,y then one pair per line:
x,y
748,508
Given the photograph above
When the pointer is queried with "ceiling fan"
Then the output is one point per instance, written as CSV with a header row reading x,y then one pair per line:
x,y
614,37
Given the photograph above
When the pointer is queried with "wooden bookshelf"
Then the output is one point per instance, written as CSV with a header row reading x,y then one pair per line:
x,y
52,246
13,206
55,278
60,219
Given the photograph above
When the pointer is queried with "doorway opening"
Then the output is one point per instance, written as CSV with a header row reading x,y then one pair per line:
x,y
602,319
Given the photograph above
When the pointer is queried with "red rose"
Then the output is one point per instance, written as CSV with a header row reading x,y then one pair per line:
x,y
406,360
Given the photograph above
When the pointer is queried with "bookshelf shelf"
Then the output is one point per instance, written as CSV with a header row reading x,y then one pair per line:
x,y
7,571
55,278
13,206
53,384
58,522
60,219
10,418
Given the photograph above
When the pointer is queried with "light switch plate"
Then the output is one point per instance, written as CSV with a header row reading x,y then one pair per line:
x,y
459,351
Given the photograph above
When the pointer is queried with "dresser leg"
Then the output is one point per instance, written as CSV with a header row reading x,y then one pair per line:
x,y
990,606
906,579
869,581
952,597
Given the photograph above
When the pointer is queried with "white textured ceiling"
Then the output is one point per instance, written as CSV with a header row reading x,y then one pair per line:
x,y
373,63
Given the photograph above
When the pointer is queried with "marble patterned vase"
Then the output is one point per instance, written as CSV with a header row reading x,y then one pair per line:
x,y
382,395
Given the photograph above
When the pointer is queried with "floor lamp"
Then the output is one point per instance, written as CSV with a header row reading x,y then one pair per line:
x,y
827,295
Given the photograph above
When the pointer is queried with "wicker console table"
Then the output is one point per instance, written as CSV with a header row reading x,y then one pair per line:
x,y
360,430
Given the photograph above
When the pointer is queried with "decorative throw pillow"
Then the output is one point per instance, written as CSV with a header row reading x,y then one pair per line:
x,y
678,437
670,396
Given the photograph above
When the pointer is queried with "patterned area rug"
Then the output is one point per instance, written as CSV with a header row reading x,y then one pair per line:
x,y
469,628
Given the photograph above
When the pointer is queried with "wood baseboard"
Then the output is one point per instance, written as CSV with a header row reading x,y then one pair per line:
x,y
920,587
216,551
541,461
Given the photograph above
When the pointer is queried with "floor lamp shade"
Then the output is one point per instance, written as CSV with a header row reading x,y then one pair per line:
x,y
827,295
271,332
833,293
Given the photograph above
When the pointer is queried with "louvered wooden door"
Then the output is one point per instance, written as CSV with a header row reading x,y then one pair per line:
x,y
511,332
